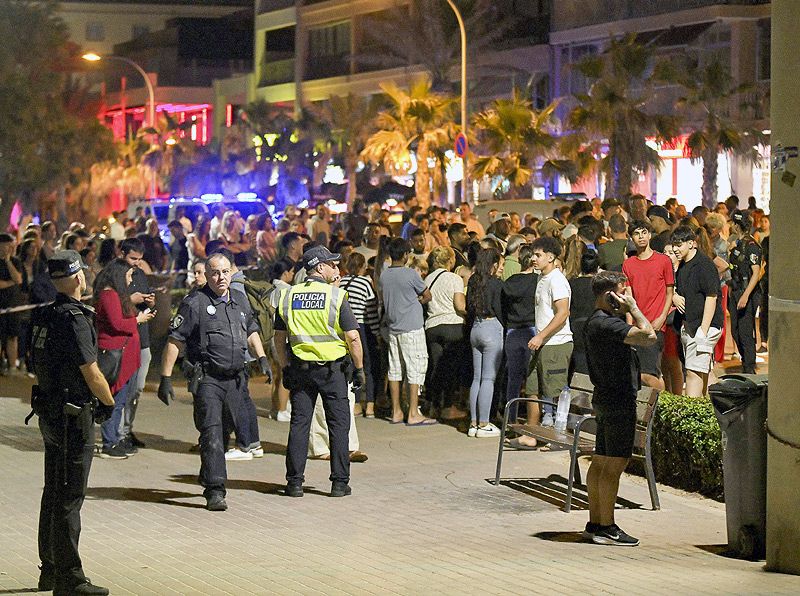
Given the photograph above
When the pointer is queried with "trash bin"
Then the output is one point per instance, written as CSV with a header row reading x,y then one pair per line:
x,y
740,404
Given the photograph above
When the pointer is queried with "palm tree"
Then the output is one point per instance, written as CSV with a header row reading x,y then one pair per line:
x,y
709,92
615,110
425,33
417,121
350,120
517,138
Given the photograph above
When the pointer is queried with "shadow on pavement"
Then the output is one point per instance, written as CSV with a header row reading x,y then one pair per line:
x,y
258,486
553,490
20,591
22,438
565,537
143,495
160,443
720,550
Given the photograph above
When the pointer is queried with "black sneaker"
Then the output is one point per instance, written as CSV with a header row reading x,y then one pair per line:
x,y
590,530
293,490
47,578
340,489
128,447
84,588
113,452
136,442
216,503
613,535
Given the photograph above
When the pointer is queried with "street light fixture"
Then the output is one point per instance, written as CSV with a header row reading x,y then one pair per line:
x,y
151,104
463,31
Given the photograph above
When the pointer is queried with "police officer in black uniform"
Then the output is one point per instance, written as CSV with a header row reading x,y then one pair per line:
x,y
322,332
216,325
64,352
745,294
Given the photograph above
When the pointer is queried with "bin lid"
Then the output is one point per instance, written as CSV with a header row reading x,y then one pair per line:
x,y
733,392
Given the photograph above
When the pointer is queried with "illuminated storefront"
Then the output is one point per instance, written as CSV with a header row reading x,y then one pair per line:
x,y
126,121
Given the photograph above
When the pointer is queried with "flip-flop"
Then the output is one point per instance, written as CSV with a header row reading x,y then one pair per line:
x,y
426,422
515,444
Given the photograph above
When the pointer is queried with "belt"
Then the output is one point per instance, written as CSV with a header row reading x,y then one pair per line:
x,y
219,373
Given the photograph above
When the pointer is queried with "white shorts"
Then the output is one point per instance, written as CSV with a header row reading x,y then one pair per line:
x,y
699,352
409,352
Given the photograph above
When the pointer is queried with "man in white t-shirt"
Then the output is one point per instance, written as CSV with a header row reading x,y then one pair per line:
x,y
552,344
370,241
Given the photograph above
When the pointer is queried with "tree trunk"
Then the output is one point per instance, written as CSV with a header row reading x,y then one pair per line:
x,y
350,171
422,184
710,169
6,205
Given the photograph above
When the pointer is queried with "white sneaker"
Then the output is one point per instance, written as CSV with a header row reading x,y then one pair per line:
x,y
490,430
283,416
257,451
235,454
472,430
547,420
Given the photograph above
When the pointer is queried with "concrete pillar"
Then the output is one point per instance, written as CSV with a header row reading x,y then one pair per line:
x,y
783,468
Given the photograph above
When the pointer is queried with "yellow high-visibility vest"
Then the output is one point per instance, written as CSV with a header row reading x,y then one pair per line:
x,y
311,313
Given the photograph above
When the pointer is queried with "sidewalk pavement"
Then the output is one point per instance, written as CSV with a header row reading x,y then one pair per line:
x,y
423,518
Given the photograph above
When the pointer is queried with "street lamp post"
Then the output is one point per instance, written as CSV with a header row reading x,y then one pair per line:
x,y
463,31
151,104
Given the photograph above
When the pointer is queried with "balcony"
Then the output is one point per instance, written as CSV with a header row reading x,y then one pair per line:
x,y
277,72
571,14
265,6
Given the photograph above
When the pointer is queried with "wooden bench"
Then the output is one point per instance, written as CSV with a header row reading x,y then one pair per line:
x,y
581,440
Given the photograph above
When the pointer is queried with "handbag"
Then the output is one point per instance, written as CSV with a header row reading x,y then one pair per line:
x,y
110,362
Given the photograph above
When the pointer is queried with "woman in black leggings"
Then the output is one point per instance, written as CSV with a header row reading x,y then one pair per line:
x,y
519,318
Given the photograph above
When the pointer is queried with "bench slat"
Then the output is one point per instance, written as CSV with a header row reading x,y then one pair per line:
x,y
551,435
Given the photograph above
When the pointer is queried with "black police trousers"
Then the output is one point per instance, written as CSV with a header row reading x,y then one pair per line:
x,y
217,404
329,382
743,327
65,479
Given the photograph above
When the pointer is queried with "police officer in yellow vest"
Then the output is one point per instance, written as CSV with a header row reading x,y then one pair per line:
x,y
322,335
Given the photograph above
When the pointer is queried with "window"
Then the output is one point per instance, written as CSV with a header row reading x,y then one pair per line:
x,y
571,55
328,51
139,30
95,32
541,92
763,64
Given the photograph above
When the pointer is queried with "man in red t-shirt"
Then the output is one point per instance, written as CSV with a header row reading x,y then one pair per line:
x,y
652,281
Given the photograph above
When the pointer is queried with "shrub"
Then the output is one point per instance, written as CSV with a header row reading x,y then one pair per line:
x,y
687,447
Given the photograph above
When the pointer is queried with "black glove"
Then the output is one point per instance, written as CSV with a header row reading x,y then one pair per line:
x,y
359,379
165,390
102,412
266,370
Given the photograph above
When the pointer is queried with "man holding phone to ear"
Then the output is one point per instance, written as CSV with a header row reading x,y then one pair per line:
x,y
614,371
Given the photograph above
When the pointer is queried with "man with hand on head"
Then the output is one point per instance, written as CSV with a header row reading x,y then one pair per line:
x,y
614,373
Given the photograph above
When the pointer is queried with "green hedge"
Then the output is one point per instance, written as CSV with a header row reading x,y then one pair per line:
x,y
687,448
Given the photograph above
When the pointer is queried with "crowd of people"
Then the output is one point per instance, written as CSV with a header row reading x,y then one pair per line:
x,y
456,318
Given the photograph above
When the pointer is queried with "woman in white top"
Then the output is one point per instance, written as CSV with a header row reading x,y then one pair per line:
x,y
448,350
364,303
196,246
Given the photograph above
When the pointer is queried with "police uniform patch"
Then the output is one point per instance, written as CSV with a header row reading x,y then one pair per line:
x,y
308,301
176,322
754,259
211,309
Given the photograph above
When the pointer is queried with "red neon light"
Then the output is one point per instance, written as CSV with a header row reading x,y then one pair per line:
x,y
228,115
204,139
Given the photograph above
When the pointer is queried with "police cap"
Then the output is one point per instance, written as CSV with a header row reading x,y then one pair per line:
x,y
319,254
65,263
741,219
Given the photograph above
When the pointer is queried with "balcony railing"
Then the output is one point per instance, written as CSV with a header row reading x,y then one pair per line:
x,y
265,6
570,14
277,72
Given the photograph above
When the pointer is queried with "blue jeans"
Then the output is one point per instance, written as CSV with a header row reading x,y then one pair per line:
x,y
518,360
110,428
486,339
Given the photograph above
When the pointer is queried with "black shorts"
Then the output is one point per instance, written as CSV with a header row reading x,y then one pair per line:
x,y
616,429
650,356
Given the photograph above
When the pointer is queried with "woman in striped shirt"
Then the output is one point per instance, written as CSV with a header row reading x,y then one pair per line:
x,y
364,303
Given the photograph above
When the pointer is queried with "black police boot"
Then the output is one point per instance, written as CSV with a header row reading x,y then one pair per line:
x,y
340,489
216,502
84,588
47,578
293,490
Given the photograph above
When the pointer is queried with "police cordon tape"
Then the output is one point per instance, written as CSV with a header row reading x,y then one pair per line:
x,y
26,307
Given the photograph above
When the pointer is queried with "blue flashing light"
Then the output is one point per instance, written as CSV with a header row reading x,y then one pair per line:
x,y
211,197
246,196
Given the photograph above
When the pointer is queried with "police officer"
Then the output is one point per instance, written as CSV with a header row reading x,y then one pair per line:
x,y
745,295
321,329
216,325
63,401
